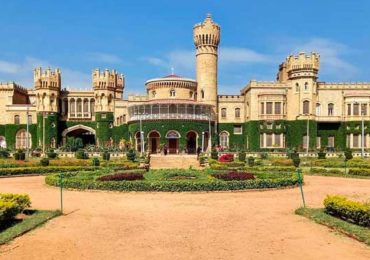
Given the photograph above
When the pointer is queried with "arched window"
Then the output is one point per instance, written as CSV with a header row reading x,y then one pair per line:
x,y
21,139
223,112
330,109
306,86
86,105
318,109
172,93
92,106
72,105
79,105
306,107
224,139
154,93
202,93
237,112
2,142
297,87
16,119
191,94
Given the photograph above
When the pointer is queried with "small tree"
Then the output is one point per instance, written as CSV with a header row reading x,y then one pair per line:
x,y
347,156
242,156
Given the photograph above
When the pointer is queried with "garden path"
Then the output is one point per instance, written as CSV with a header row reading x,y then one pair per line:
x,y
218,225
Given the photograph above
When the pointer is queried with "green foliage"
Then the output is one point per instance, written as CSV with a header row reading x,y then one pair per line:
x,y
51,154
81,154
131,155
106,155
359,172
348,155
352,211
11,205
351,230
296,161
95,161
44,162
43,170
321,155
104,131
242,156
296,130
214,154
51,128
20,155
73,144
324,171
251,161
4,153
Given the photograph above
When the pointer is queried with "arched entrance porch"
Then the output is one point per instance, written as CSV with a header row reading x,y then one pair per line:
x,y
154,139
173,137
87,134
191,142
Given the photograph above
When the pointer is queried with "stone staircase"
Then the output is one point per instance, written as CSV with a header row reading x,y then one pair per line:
x,y
183,161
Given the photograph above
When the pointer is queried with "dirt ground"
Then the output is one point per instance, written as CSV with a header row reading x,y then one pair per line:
x,y
223,225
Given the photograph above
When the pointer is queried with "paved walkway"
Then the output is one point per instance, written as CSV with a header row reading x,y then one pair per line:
x,y
224,225
183,161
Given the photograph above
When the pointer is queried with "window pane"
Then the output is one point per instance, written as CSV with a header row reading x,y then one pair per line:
x,y
278,108
349,109
331,141
363,109
306,107
269,108
355,109
237,129
356,141
277,140
262,108
268,140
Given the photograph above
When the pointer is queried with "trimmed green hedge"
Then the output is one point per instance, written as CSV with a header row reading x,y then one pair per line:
x,y
173,186
352,211
11,205
359,172
44,170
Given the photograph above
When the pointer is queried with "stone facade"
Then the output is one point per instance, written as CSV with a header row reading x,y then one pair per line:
x,y
182,114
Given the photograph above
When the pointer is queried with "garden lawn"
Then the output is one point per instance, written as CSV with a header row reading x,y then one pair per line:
x,y
319,216
33,219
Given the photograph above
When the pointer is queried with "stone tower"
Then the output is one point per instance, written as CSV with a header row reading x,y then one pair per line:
x,y
108,86
47,87
206,39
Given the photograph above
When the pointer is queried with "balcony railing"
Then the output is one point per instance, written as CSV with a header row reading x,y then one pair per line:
x,y
79,115
172,116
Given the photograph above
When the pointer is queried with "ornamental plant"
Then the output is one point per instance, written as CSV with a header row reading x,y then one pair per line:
x,y
242,156
321,154
44,162
214,154
106,156
250,161
122,176
234,176
131,155
228,157
51,154
95,161
348,155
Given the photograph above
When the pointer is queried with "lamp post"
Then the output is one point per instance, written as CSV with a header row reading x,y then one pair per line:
x,y
141,137
202,142
27,135
210,133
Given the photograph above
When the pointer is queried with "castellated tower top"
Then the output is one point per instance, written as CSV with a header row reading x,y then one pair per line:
x,y
206,36
48,79
108,80
300,66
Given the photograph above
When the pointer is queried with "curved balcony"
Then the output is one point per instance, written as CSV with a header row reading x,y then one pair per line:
x,y
180,111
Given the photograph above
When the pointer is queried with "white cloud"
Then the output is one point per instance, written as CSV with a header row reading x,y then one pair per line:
x,y
242,55
22,73
104,57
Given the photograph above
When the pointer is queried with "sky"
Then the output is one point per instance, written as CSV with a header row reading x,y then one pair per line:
x,y
145,39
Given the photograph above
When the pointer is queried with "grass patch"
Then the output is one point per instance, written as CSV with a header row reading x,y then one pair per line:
x,y
319,216
33,219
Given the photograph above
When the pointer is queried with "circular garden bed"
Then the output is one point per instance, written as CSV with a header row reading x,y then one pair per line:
x,y
173,180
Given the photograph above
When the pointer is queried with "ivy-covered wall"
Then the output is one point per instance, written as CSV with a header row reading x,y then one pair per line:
x,y
9,131
104,126
163,126
119,133
295,130
236,141
332,129
51,128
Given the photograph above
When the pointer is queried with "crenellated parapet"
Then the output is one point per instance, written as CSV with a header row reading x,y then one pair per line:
x,y
106,79
47,79
302,65
343,85
206,36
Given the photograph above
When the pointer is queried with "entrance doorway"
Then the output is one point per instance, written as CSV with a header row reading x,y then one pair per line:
x,y
85,133
173,141
191,142
206,138
154,139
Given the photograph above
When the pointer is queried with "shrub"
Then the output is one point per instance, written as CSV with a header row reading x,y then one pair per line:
x,y
214,154
321,155
250,161
264,155
51,154
20,155
234,175
179,175
296,161
4,153
359,172
281,162
122,176
44,162
11,205
131,155
202,159
351,211
106,156
228,157
348,155
325,171
81,154
242,156
274,169
43,170
95,161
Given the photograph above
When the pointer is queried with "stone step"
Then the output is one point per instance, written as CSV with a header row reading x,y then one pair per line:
x,y
173,161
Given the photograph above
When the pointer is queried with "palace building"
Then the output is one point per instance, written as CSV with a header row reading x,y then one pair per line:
x,y
294,111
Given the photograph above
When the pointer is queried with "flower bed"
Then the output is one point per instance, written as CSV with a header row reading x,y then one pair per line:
x,y
122,176
234,175
351,211
228,157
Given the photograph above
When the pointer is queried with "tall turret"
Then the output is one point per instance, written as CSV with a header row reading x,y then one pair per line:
x,y
107,85
206,39
47,85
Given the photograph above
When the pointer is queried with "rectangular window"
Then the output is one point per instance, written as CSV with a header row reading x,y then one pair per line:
x,y
363,109
356,141
261,141
269,126
348,144
277,140
262,108
356,111
268,140
103,116
331,141
238,129
277,108
269,108
318,142
348,109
